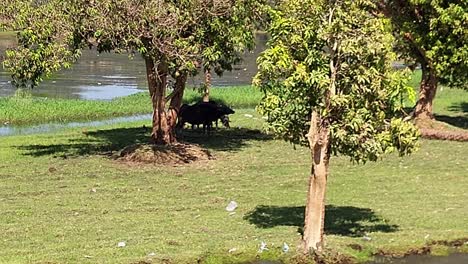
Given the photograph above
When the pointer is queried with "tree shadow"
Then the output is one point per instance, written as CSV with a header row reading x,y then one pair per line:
x,y
457,121
459,107
339,220
109,142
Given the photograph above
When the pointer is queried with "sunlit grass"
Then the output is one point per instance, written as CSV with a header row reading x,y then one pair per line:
x,y
24,110
236,96
63,200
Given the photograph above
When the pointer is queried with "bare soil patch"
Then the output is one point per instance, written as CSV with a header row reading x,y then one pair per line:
x,y
178,153
444,134
431,129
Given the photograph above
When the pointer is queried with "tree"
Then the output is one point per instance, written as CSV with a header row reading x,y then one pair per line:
x,y
168,34
328,84
224,38
434,35
13,13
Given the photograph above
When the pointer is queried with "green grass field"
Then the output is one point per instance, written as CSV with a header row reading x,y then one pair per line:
x,y
50,213
64,199
31,110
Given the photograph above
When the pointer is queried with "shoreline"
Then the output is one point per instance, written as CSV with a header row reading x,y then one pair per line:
x,y
28,111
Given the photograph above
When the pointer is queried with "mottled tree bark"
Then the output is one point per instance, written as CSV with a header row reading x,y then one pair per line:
x,y
319,141
319,144
157,80
427,93
206,92
176,102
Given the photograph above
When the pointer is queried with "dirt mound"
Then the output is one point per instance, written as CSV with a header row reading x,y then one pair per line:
x,y
433,129
178,153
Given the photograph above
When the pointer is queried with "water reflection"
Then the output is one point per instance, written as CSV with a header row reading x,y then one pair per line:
x,y
107,75
47,128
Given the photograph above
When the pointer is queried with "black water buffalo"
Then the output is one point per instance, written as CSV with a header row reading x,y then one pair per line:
x,y
204,113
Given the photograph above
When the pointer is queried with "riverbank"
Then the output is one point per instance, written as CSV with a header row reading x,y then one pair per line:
x,y
26,110
64,199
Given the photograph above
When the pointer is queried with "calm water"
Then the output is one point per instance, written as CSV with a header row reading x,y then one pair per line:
x,y
47,128
107,75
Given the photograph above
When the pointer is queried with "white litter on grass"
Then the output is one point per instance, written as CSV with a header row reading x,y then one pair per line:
x,y
285,247
263,247
232,250
121,244
249,116
366,238
231,206
152,254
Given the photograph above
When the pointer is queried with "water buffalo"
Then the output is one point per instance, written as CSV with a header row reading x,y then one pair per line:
x,y
204,113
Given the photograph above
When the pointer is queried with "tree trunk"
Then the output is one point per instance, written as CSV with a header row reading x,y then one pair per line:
x,y
176,101
319,144
157,78
319,141
206,93
427,92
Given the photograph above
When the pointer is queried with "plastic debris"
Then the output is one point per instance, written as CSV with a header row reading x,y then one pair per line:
x,y
263,247
121,244
231,206
285,247
366,238
152,254
232,250
247,115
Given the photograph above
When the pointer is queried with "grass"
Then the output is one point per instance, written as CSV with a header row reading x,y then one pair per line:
x,y
64,200
450,105
30,110
7,33
50,213
237,96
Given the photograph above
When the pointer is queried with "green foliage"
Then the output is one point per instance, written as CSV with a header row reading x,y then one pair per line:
x,y
45,40
181,34
335,58
13,13
434,33
223,39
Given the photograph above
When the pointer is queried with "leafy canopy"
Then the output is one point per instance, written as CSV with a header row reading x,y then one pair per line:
x,y
434,33
309,41
183,34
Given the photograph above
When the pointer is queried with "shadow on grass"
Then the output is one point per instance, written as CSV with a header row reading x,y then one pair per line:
x,y
339,220
459,107
457,121
108,142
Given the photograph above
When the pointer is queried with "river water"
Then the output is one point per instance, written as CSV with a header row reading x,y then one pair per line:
x,y
108,75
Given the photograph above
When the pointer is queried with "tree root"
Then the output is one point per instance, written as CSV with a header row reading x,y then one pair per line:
x,y
444,134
